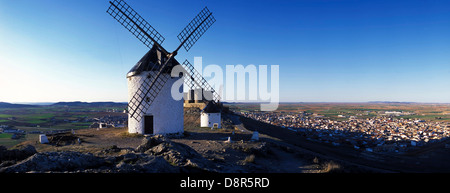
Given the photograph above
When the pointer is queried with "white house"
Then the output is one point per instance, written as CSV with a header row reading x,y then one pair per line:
x,y
210,116
165,115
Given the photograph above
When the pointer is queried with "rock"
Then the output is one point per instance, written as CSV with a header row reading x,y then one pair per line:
x,y
110,149
17,154
146,164
156,154
129,157
187,158
175,154
149,142
157,165
125,151
7,163
28,150
262,149
124,167
159,149
55,161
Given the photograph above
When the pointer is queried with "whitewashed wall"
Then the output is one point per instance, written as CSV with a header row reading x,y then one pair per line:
x,y
208,119
167,112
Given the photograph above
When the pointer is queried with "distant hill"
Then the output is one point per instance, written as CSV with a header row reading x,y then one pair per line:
x,y
87,104
11,105
391,102
70,104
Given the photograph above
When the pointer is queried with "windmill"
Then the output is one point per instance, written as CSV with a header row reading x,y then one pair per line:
x,y
151,108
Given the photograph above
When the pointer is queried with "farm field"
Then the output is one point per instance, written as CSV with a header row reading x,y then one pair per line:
x,y
56,116
31,120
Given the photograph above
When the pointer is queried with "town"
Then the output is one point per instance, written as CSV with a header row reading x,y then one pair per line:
x,y
386,132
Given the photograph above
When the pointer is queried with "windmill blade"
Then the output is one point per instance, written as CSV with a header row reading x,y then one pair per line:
x,y
195,29
134,23
145,95
195,80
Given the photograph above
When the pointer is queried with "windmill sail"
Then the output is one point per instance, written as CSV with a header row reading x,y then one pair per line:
x,y
195,80
196,28
134,23
158,61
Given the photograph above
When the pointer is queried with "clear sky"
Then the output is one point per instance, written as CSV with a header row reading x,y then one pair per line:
x,y
327,50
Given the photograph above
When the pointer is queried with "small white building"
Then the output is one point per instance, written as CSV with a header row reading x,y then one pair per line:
x,y
43,139
210,116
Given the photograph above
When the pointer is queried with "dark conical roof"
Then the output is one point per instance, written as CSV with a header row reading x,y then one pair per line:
x,y
152,61
211,108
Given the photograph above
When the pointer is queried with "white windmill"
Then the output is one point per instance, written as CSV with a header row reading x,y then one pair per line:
x,y
210,116
151,108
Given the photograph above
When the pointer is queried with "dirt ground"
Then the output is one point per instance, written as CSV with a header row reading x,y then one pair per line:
x,y
92,141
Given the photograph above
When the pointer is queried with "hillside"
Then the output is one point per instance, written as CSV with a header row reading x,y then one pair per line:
x,y
11,105
90,104
113,150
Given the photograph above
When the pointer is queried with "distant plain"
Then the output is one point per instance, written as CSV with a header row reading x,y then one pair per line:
x,y
423,111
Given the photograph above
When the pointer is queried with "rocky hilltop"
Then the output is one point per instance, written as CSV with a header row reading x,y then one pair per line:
x,y
156,154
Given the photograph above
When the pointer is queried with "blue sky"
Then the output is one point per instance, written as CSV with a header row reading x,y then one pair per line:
x,y
328,51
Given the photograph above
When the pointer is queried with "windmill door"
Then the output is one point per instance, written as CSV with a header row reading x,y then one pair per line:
x,y
148,124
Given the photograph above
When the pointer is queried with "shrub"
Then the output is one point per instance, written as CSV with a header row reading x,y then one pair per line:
x,y
331,167
250,159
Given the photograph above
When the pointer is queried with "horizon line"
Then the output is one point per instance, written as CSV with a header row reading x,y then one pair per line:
x,y
240,102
